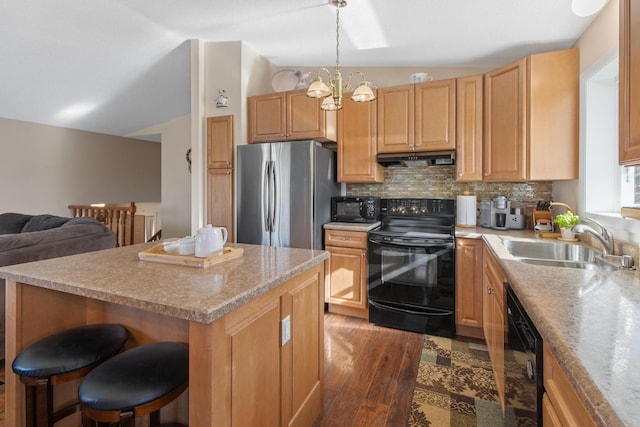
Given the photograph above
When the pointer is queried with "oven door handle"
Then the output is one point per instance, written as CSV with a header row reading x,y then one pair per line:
x,y
413,244
403,310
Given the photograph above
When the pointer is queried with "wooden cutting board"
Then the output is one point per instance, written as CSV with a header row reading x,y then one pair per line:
x,y
630,212
157,254
549,234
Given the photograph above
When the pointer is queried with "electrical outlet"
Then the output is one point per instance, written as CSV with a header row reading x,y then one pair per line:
x,y
286,330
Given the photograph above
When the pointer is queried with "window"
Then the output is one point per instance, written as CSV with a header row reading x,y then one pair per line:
x,y
630,186
604,186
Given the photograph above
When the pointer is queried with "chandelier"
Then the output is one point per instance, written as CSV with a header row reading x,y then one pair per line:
x,y
320,89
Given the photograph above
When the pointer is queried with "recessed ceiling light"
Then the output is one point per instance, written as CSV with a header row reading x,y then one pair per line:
x,y
587,7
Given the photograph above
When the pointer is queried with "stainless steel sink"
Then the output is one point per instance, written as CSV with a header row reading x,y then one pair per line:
x,y
555,251
556,255
597,265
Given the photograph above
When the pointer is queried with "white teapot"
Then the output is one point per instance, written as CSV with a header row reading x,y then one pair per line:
x,y
210,239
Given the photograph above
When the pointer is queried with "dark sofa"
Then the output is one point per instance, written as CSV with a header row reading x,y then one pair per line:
x,y
26,238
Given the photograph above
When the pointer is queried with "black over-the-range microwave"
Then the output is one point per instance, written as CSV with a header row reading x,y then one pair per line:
x,y
355,209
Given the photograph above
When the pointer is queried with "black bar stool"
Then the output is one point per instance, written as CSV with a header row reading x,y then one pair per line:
x,y
135,383
60,358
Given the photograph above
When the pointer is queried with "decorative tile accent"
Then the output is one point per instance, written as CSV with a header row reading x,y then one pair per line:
x,y
439,182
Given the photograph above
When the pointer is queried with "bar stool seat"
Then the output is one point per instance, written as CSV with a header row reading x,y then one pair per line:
x,y
135,383
59,358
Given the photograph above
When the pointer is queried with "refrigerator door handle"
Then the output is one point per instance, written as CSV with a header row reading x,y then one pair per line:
x,y
274,196
266,196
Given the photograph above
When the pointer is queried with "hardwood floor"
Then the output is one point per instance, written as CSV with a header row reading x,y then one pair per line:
x,y
369,373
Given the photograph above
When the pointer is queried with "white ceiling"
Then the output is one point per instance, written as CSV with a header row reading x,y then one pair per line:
x,y
118,66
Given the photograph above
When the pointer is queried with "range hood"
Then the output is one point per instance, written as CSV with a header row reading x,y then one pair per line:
x,y
427,158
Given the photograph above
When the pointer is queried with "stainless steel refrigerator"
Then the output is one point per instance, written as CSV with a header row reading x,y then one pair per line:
x,y
284,193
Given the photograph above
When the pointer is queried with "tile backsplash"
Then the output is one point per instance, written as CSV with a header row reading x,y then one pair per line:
x,y
439,182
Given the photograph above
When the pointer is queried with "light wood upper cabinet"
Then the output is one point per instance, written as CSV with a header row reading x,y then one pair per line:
x,y
504,123
629,86
435,121
469,116
220,142
357,143
417,117
346,283
531,119
469,287
289,116
395,119
220,175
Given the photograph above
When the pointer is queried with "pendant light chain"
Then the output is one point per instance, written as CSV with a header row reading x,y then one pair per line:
x,y
337,38
332,92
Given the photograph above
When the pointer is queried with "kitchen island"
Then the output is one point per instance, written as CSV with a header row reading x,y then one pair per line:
x,y
241,371
590,321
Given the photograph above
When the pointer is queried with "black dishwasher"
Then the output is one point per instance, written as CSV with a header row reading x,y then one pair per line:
x,y
525,343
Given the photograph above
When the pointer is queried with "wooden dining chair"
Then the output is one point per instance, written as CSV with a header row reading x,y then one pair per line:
x,y
119,217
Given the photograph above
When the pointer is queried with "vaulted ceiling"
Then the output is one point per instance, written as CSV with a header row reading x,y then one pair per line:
x,y
118,66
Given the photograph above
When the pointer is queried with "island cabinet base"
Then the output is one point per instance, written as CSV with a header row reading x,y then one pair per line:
x,y
253,379
240,373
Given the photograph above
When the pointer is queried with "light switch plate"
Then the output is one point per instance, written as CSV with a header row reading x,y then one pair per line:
x,y
286,330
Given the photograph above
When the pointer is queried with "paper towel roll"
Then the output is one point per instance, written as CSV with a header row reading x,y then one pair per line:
x,y
466,211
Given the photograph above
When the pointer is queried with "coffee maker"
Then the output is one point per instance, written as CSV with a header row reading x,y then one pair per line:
x,y
500,210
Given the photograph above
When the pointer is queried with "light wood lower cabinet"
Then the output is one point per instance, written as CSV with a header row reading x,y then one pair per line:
x,y
283,386
220,200
561,406
346,283
469,289
493,305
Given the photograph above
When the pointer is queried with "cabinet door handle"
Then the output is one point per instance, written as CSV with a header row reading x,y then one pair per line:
x,y
486,174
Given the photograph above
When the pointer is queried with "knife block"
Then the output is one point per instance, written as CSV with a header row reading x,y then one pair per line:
x,y
538,215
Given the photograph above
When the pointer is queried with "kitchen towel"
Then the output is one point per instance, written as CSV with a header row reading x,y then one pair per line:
x,y
466,211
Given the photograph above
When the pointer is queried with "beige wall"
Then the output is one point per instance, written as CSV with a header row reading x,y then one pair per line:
x,y
601,36
597,41
389,76
176,179
45,168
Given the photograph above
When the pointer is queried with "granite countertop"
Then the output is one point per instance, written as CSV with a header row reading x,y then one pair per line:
x,y
590,320
351,226
197,294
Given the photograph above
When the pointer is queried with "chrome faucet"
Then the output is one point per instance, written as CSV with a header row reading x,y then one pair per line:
x,y
605,238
